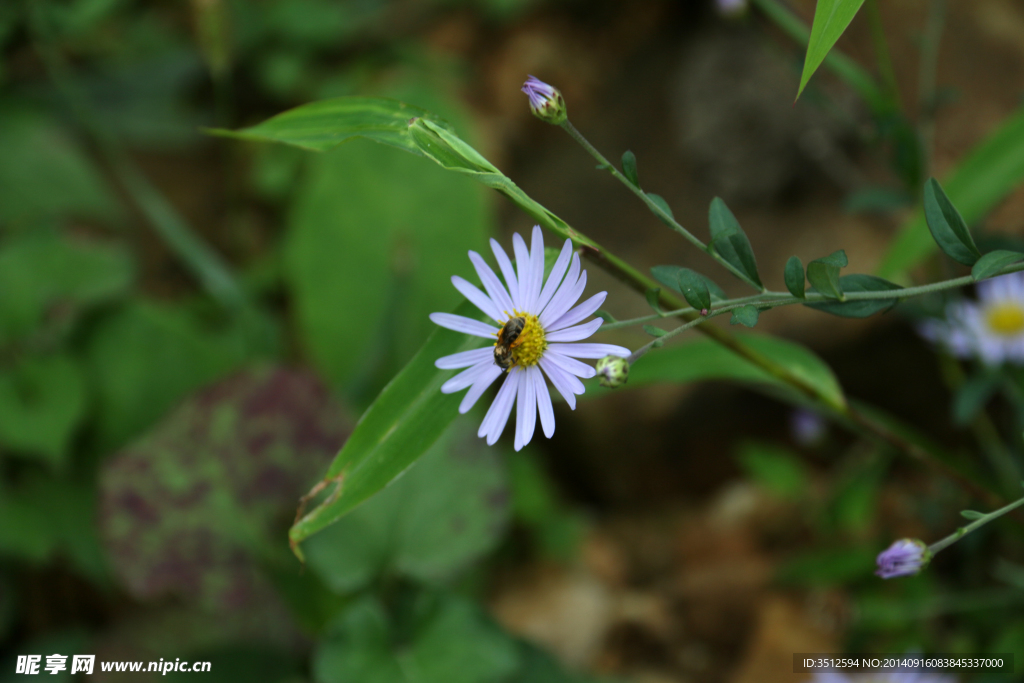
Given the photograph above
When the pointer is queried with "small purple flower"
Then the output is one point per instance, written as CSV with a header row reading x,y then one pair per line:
x,y
546,102
884,677
807,427
905,557
731,8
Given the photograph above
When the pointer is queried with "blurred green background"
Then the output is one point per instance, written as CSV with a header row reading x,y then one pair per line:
x,y
190,327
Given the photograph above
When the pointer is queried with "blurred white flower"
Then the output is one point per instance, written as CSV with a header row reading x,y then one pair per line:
x,y
991,328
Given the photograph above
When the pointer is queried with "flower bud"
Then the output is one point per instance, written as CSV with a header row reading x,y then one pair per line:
x,y
546,102
905,557
613,371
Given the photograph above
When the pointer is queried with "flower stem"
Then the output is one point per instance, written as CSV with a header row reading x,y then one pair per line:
x,y
981,521
657,210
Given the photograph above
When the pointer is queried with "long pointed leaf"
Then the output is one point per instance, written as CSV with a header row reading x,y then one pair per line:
x,y
831,17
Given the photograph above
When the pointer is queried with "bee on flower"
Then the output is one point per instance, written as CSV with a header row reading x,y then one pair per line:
x,y
536,333
990,329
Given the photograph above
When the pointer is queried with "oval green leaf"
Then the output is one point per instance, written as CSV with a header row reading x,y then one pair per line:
x,y
823,274
629,168
694,289
860,308
744,315
994,261
730,242
947,226
794,276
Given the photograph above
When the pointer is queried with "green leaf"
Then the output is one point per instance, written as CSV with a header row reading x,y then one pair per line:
x,y
744,315
831,17
146,357
652,299
443,639
44,174
730,242
662,204
704,359
794,277
669,276
823,274
860,309
406,418
775,468
978,183
629,168
374,237
42,401
320,126
448,509
947,226
994,261
48,270
654,331
972,514
694,289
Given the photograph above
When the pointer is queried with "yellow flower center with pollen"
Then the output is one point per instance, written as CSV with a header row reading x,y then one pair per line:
x,y
1006,318
530,345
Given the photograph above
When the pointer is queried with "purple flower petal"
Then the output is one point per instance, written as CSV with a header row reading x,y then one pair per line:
x,y
499,295
477,298
577,333
570,365
462,324
568,294
567,385
522,268
555,277
485,380
464,359
536,269
497,415
581,312
591,350
466,378
526,410
508,271
540,389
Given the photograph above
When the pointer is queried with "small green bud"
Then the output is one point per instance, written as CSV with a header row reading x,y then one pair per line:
x,y
546,102
613,371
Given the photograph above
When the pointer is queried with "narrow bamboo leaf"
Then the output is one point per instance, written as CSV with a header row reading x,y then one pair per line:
x,y
947,226
694,289
662,204
831,17
320,126
704,359
629,168
794,276
972,514
669,276
652,299
654,331
823,274
730,242
977,184
402,423
855,308
744,315
994,261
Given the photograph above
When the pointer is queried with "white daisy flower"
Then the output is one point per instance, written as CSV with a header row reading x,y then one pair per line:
x,y
991,328
548,339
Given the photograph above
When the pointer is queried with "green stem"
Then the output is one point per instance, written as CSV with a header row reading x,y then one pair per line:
x,y
882,53
981,521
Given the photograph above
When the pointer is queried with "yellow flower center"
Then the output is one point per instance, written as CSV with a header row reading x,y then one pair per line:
x,y
1005,318
529,346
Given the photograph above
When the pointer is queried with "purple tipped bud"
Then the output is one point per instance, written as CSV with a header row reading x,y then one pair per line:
x,y
905,557
613,371
546,102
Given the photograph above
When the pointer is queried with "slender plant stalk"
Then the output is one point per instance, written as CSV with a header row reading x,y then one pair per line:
x,y
981,521
208,267
885,67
